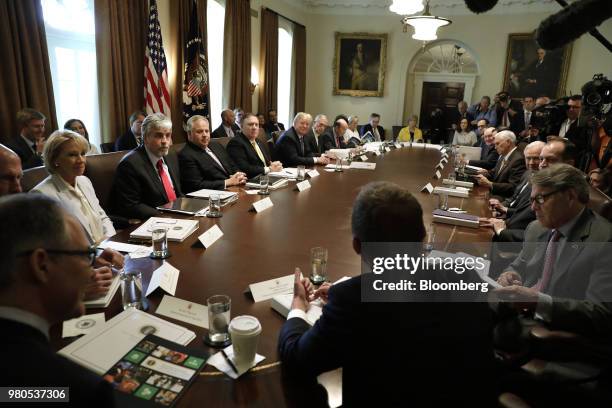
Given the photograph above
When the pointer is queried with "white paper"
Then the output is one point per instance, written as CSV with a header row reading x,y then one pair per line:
x,y
287,172
124,247
303,185
205,193
363,157
364,166
398,145
102,348
377,152
438,174
210,236
268,289
387,149
332,166
251,192
428,187
312,173
177,229
262,205
188,312
443,150
82,325
165,277
329,170
218,361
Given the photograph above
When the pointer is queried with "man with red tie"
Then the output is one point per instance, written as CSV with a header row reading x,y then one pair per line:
x,y
336,139
148,176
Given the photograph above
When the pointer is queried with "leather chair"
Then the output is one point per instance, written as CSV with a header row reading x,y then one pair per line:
x,y
223,141
107,147
31,177
396,130
177,147
100,169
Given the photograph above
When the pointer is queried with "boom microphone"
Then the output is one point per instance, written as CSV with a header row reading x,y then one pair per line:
x,y
480,6
571,22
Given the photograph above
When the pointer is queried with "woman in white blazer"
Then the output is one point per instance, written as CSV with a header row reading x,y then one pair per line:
x,y
64,157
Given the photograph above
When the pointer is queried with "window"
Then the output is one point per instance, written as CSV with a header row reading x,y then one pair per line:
x,y
285,108
215,15
70,29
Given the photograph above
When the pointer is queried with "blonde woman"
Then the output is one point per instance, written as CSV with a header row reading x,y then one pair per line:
x,y
411,133
64,157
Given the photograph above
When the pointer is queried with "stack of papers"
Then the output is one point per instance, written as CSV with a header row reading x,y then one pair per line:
x,y
205,193
101,349
448,217
177,230
454,192
287,172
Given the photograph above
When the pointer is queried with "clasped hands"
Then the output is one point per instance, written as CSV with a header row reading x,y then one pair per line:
x,y
521,297
304,292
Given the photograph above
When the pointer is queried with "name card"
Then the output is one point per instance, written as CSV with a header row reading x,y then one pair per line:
x,y
427,188
437,175
387,149
179,309
268,289
440,166
445,156
312,173
210,236
398,145
363,157
377,152
303,185
165,277
262,205
82,325
444,160
443,150
365,166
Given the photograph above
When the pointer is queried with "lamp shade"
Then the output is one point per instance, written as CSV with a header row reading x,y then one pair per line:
x,y
406,7
426,27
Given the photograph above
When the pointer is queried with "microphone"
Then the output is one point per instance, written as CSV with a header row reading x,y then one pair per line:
x,y
571,22
480,6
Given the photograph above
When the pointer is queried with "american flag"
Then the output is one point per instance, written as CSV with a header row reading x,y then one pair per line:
x,y
157,97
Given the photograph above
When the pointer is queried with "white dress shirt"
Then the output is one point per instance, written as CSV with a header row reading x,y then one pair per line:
x,y
154,159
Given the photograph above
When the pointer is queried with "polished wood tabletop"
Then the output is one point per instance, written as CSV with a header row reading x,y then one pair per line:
x,y
261,246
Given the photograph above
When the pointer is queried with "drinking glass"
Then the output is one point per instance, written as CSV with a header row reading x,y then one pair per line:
x,y
318,262
214,206
131,289
219,307
301,173
430,240
338,165
264,183
159,240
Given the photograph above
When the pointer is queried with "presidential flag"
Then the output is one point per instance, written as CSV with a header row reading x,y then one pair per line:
x,y
157,96
195,87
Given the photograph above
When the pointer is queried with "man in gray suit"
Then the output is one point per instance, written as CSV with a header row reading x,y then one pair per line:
x,y
563,272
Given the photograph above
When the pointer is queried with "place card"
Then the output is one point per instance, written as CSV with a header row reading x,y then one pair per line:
x,y
387,149
183,310
443,150
365,166
440,166
363,157
428,187
398,145
268,289
312,173
303,185
82,325
438,174
210,236
165,277
262,205
444,160
377,152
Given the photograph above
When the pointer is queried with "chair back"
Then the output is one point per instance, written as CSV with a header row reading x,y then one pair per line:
x,y
100,169
223,141
177,147
396,130
107,147
31,177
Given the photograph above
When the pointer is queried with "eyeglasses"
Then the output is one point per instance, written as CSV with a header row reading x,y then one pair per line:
x,y
541,198
90,253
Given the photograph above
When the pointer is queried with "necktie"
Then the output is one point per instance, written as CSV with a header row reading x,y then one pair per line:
x,y
338,141
549,261
258,151
505,119
527,119
516,197
501,165
166,181
301,145
214,157
230,132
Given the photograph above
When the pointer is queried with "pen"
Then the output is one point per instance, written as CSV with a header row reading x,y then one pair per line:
x,y
229,361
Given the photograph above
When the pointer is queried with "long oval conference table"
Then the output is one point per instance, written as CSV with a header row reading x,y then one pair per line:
x,y
259,246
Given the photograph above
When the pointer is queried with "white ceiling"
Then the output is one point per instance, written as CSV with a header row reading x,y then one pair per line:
x,y
437,7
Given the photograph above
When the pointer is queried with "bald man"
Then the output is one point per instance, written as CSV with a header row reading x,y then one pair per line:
x,y
335,140
10,172
227,128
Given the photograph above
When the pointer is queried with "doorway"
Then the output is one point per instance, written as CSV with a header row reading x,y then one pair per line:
x,y
440,95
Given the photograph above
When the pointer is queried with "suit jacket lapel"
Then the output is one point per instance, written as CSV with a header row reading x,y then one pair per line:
x,y
213,148
572,248
152,172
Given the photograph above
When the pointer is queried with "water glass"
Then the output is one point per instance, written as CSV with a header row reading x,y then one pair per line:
x,y
159,239
264,184
318,262
430,239
214,206
451,179
349,158
219,307
338,165
443,201
301,173
131,289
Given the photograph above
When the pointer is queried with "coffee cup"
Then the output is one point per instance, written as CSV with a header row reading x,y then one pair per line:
x,y
244,332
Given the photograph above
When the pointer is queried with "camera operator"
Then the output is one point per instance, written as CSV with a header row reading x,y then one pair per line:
x,y
483,110
597,114
574,130
509,113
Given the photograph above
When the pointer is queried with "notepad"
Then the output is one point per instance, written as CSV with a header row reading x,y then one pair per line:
x,y
177,229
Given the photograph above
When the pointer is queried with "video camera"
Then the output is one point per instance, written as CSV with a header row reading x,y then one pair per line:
x,y
597,102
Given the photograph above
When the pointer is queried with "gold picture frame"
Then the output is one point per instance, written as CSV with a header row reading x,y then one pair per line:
x,y
360,62
527,74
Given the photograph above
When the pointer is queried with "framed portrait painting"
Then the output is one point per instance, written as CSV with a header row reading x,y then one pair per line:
x,y
359,64
533,71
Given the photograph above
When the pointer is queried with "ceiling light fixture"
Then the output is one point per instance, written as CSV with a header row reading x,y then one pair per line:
x,y
406,7
425,26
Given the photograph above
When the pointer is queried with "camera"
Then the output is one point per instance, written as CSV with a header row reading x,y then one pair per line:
x,y
597,102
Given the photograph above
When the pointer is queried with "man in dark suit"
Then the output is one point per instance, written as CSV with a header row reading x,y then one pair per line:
x,y
540,76
272,125
227,128
319,127
509,113
292,148
205,163
133,137
455,116
571,129
31,140
416,334
148,176
374,127
508,171
563,274
251,155
488,154
335,139
44,271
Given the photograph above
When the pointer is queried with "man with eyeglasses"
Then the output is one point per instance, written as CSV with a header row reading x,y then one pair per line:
x,y
44,272
562,275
